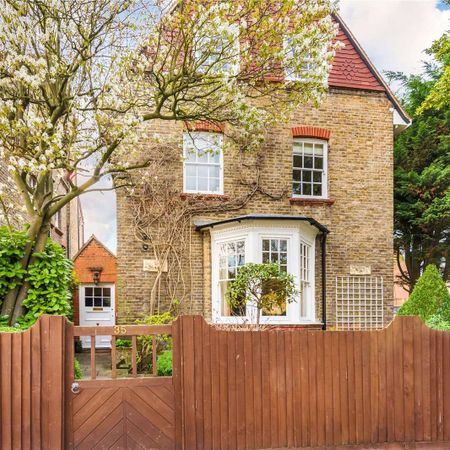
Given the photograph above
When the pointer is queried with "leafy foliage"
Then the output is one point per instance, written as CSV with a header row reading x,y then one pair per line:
x,y
429,298
12,247
265,285
77,372
49,276
165,363
422,181
436,322
123,343
145,343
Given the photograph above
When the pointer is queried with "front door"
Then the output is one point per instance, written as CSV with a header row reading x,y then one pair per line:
x,y
97,308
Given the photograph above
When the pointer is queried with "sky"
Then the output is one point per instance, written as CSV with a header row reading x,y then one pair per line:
x,y
393,33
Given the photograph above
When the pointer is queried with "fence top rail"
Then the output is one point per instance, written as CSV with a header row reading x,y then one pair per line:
x,y
122,330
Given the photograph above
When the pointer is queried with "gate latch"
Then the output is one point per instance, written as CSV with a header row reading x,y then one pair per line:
x,y
75,388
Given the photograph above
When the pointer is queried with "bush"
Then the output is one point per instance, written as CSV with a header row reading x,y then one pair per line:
x,y
165,363
145,343
123,343
78,374
437,322
429,297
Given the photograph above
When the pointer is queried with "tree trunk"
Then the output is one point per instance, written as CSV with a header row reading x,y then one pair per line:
x,y
38,235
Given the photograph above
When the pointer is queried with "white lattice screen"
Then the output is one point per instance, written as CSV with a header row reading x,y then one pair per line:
x,y
359,303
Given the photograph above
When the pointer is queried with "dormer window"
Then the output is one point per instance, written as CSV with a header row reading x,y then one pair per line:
x,y
310,168
203,162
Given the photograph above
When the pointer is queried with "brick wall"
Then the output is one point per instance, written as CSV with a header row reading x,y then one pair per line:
x,y
93,254
360,180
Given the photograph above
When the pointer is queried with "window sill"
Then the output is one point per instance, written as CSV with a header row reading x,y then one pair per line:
x,y
205,197
302,201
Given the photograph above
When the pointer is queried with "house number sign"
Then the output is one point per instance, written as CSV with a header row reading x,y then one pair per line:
x,y
360,270
120,329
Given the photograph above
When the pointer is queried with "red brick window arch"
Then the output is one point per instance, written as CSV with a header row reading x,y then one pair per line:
x,y
307,131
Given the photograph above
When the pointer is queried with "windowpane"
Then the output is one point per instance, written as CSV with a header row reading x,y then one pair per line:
x,y
88,301
306,176
297,188
191,184
297,175
231,256
202,171
308,149
298,161
318,163
88,292
214,184
318,149
98,291
317,189
308,162
106,302
107,292
317,178
306,189
202,184
97,301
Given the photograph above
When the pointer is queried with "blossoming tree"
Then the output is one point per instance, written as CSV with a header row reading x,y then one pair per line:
x,y
77,78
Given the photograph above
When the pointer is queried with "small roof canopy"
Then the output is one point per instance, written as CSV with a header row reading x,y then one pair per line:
x,y
201,225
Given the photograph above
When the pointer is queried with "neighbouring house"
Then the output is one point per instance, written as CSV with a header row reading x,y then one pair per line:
x,y
317,199
67,227
400,292
94,298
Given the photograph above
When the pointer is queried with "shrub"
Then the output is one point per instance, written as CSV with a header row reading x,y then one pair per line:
x,y
145,343
50,276
269,287
78,374
165,363
429,297
123,343
437,322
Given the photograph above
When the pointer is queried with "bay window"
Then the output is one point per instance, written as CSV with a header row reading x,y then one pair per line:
x,y
291,247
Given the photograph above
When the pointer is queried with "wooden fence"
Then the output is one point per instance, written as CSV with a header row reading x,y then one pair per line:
x,y
273,389
242,389
33,386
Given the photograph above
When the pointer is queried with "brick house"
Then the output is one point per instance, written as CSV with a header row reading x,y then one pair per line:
x,y
95,269
322,209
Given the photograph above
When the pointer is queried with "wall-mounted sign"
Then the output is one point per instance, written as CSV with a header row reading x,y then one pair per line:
x,y
152,265
360,270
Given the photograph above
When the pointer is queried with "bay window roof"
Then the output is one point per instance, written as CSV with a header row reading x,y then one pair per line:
x,y
202,224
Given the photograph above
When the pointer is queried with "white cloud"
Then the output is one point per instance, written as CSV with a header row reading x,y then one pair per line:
x,y
394,33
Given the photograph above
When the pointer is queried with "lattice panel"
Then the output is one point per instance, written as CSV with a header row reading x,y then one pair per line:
x,y
359,303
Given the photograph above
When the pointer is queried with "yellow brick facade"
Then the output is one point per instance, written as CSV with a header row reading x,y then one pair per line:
x,y
360,181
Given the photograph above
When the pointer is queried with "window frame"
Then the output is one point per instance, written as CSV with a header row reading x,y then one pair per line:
x,y
253,236
186,163
324,167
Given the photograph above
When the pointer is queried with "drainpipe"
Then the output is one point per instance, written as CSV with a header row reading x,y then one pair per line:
x,y
324,281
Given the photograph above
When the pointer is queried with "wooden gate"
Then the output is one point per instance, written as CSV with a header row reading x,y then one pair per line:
x,y
110,412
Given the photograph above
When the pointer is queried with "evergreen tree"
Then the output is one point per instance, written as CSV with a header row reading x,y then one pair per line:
x,y
422,179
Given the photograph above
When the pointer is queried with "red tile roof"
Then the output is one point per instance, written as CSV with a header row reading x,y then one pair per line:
x,y
350,70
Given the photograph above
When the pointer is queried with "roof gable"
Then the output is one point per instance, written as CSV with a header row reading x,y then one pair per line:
x,y
349,69
99,248
353,69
